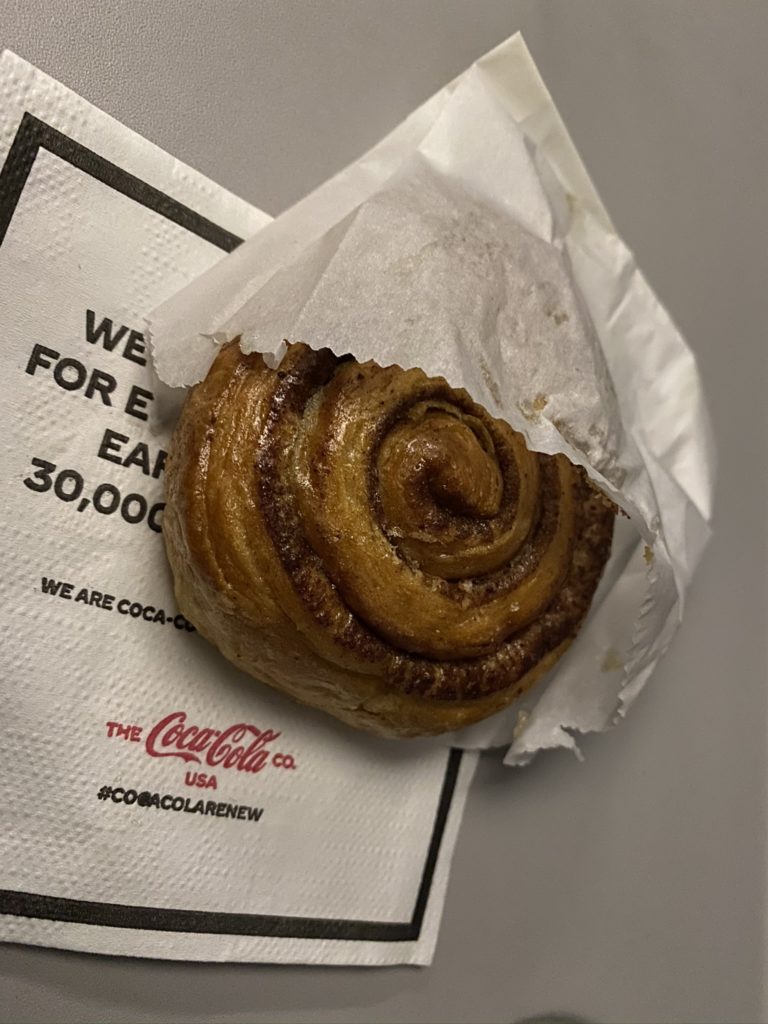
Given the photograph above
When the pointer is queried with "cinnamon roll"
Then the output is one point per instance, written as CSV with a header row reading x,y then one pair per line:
x,y
372,542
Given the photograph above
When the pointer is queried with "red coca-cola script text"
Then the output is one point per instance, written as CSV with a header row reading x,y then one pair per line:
x,y
241,746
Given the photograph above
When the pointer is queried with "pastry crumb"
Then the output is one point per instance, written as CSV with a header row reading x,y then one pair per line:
x,y
532,409
611,661
559,318
523,717
493,387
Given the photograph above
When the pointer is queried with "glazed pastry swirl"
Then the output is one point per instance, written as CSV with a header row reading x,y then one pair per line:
x,y
373,542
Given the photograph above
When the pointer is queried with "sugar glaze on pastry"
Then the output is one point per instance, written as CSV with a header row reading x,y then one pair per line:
x,y
372,542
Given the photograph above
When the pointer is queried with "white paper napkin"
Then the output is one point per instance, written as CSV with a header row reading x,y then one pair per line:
x,y
155,801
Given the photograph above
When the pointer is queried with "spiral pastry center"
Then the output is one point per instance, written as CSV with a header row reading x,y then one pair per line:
x,y
444,498
427,515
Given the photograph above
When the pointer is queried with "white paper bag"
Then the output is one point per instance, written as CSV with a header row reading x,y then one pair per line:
x,y
471,243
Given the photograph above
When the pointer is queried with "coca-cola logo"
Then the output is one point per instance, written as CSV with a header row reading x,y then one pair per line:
x,y
241,746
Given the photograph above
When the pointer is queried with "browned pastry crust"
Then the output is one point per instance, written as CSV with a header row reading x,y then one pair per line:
x,y
373,543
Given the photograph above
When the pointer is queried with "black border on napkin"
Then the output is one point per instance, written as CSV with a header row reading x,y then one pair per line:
x,y
31,136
